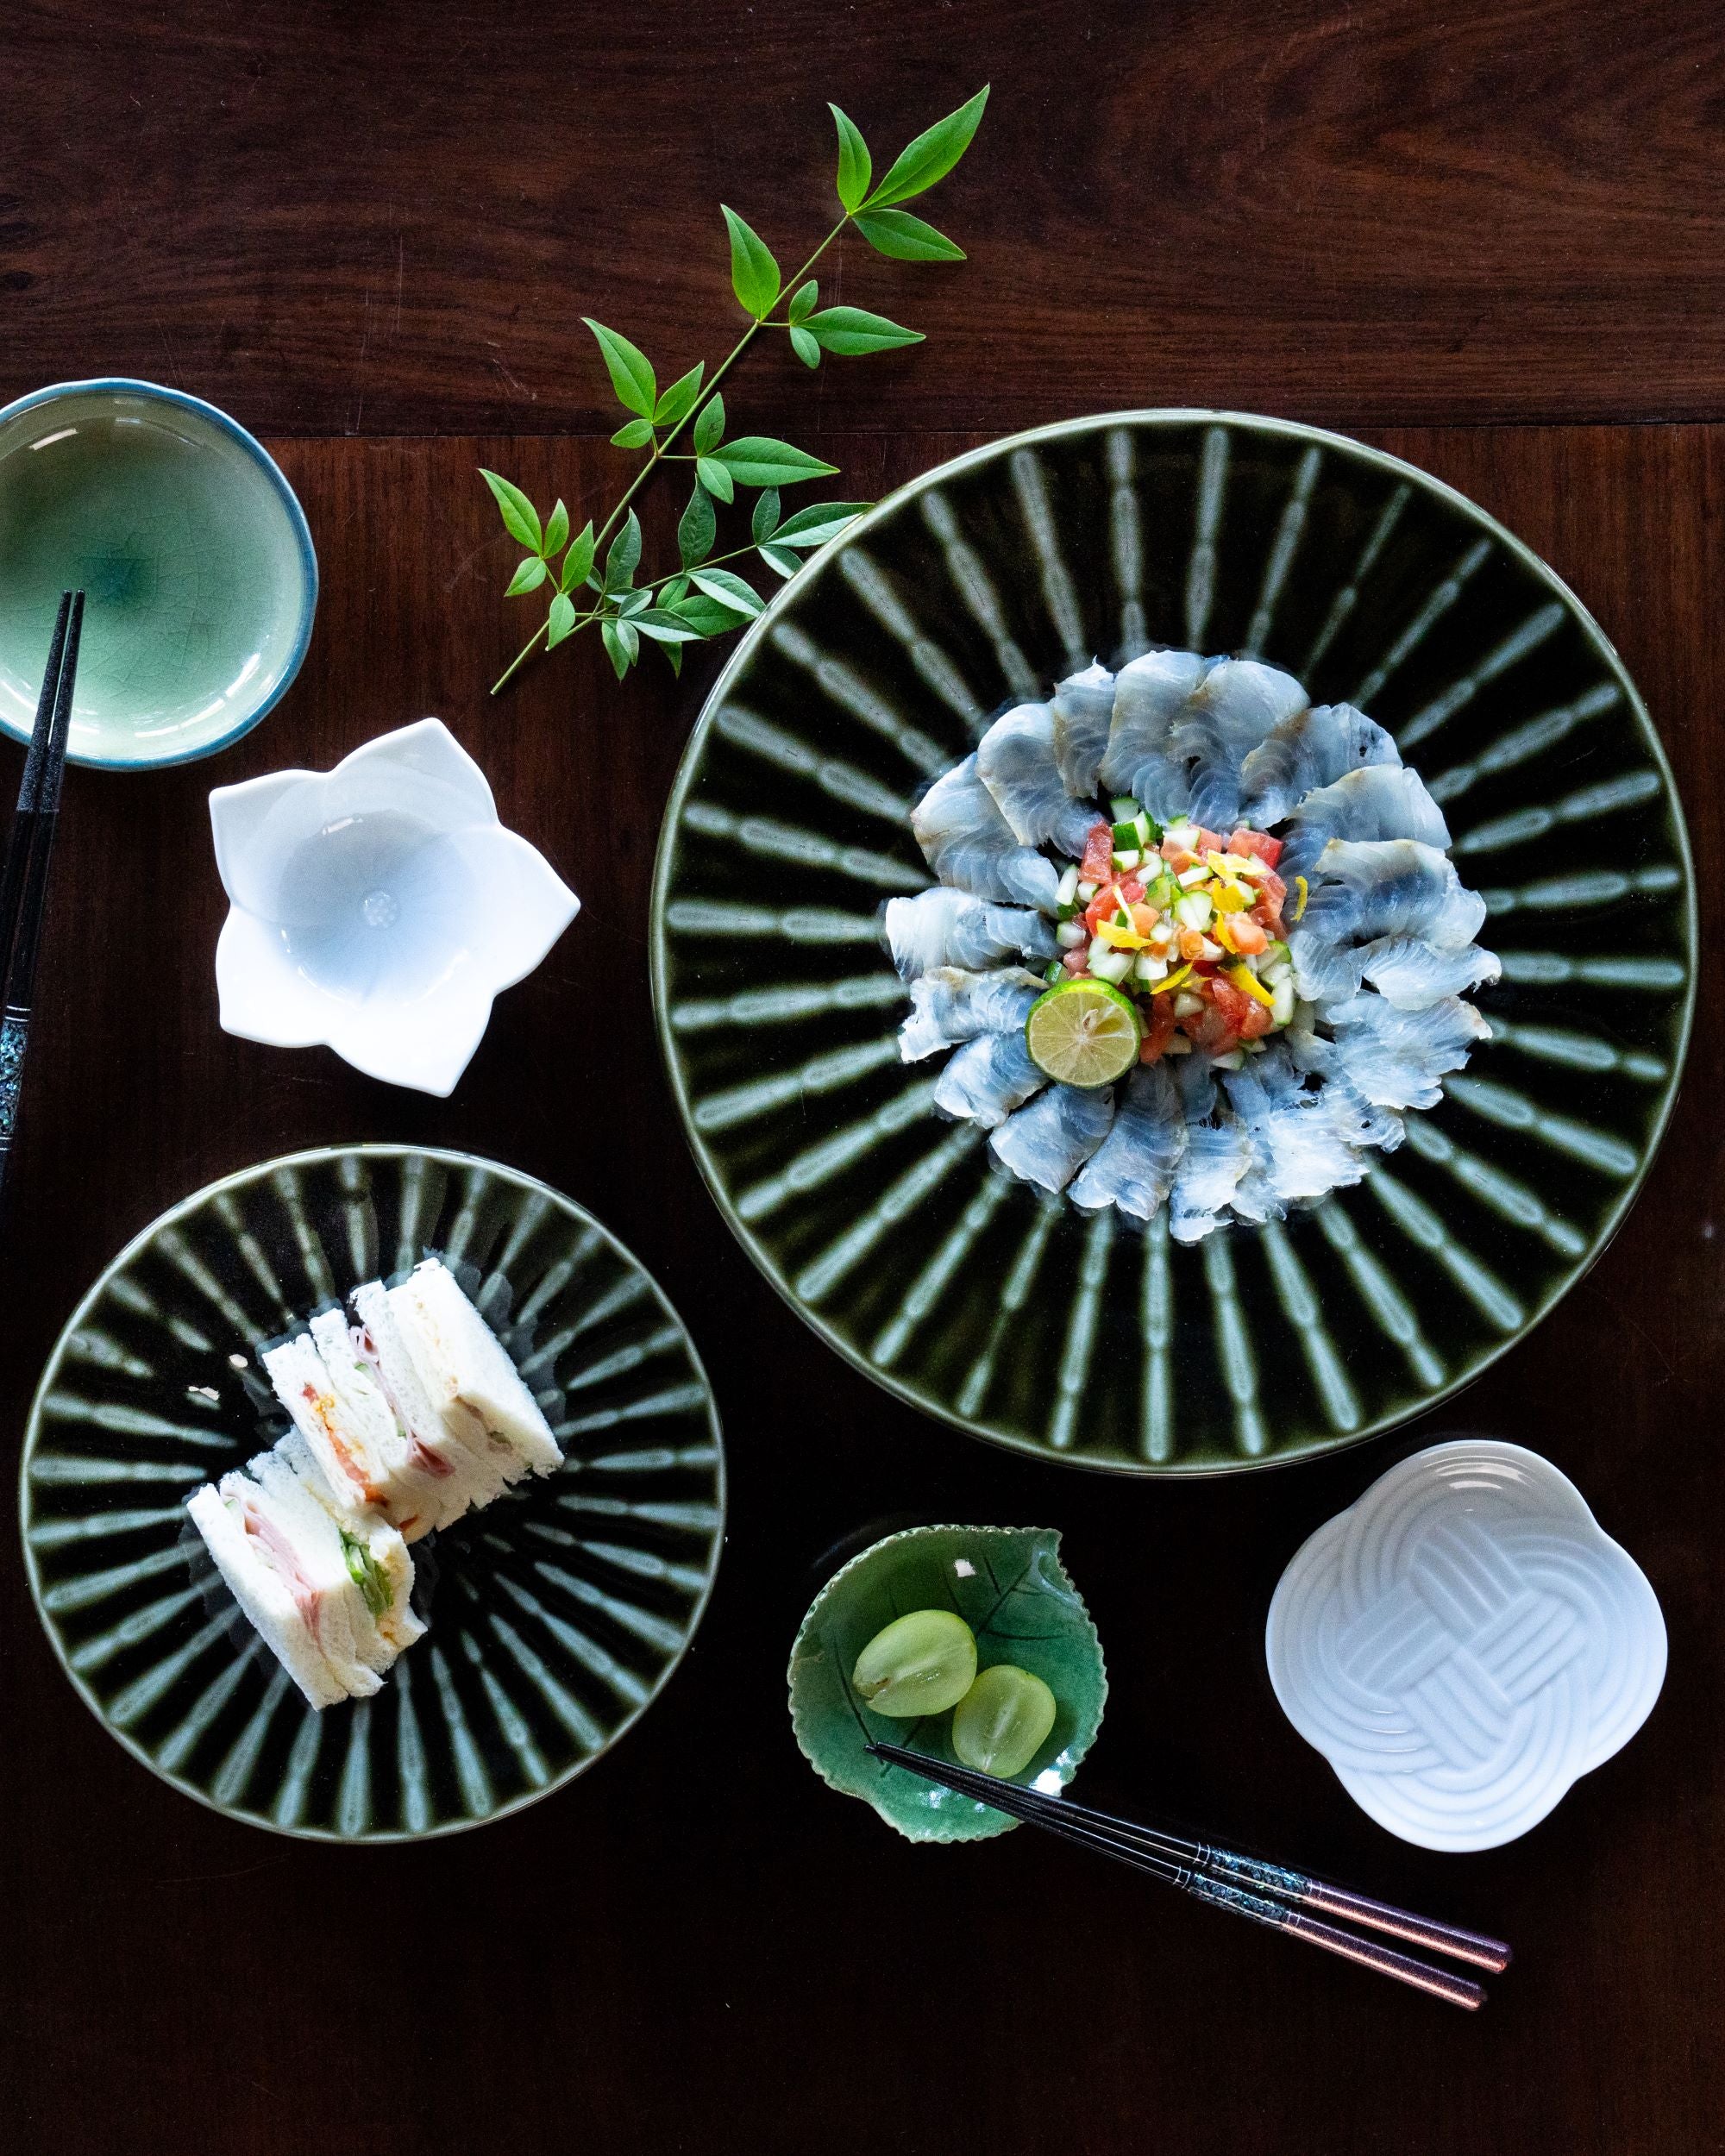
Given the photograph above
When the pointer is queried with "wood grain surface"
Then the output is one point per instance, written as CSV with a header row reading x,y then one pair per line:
x,y
362,235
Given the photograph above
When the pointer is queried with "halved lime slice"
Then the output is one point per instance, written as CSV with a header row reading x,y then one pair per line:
x,y
1083,1033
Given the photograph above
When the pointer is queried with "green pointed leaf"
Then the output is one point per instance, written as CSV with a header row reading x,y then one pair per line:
x,y
562,620
754,274
670,593
802,301
696,528
757,459
778,559
635,435
622,643
710,426
765,521
528,578
678,400
579,560
904,238
630,375
716,479
706,617
556,528
814,526
625,552
730,590
855,167
520,518
633,601
674,655
665,628
806,348
931,156
851,330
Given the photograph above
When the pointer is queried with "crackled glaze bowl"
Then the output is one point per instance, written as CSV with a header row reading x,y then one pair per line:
x,y
880,666
556,1614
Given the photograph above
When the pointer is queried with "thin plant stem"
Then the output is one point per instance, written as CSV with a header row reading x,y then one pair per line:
x,y
661,449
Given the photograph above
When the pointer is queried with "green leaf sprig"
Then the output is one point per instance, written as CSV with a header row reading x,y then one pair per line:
x,y
592,578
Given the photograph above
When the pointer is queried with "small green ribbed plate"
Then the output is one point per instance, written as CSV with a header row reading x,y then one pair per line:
x,y
556,1614
878,667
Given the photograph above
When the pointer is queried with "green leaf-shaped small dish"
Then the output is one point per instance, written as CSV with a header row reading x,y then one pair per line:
x,y
1008,1585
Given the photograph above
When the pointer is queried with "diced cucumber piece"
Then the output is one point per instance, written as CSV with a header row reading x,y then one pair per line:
x,y
1113,965
1098,949
1126,834
1197,874
1072,935
1123,808
1254,1047
1067,889
1231,1061
1126,861
1142,825
1270,971
1177,1045
1085,893
1194,911
1186,1005
1054,972
1149,967
1282,1002
1161,891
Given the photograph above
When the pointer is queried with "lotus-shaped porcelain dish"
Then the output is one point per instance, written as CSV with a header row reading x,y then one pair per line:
x,y
378,908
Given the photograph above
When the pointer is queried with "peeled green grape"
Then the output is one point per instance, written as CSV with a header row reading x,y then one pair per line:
x,y
1003,1721
920,1664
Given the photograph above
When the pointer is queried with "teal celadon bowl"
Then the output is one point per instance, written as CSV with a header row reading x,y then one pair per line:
x,y
197,563
879,666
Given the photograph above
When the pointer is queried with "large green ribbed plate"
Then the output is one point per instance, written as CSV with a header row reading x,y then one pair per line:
x,y
557,1613
984,582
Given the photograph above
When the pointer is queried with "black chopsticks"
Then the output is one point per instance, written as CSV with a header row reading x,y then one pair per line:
x,y
24,875
1265,1893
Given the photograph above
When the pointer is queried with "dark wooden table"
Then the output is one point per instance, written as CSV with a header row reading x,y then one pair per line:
x,y
1491,238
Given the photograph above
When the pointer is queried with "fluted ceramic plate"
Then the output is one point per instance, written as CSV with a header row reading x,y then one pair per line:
x,y
557,1613
880,666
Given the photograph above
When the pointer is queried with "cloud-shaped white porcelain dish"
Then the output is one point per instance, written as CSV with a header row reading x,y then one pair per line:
x,y
377,908
1464,1643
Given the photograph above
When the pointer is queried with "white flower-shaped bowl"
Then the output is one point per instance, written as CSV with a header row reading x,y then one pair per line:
x,y
378,908
1464,1643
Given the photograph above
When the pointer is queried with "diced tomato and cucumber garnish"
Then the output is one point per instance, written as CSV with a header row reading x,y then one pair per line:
x,y
1187,923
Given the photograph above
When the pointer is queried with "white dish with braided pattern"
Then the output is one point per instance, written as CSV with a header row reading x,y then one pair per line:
x,y
1464,1643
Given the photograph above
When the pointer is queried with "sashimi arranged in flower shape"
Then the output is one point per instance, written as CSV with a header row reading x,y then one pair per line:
x,y
1197,942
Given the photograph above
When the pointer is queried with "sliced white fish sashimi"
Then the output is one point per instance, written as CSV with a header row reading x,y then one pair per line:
x,y
1217,1156
950,1005
968,843
988,1079
1015,761
1134,1167
1150,695
1298,1149
1050,1140
944,927
1395,1058
1308,751
1382,801
1227,716
1083,715
1411,974
1364,888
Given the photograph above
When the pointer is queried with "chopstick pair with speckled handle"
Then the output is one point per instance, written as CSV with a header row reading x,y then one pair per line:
x,y
1248,1886
24,876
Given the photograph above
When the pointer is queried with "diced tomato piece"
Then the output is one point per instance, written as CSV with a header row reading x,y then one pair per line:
x,y
1257,1021
1130,889
1250,842
1214,1031
1191,944
1269,907
1145,918
1177,859
1159,1032
1208,842
1099,853
1077,961
1249,935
